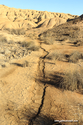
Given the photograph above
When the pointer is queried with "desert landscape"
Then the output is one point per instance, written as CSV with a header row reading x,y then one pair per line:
x,y
41,67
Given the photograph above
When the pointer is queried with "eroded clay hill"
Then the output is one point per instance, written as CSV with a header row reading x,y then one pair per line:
x,y
41,67
18,18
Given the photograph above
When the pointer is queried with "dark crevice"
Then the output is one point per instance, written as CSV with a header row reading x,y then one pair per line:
x,y
39,109
45,51
42,70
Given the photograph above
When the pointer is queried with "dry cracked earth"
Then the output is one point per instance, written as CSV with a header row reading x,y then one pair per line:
x,y
41,67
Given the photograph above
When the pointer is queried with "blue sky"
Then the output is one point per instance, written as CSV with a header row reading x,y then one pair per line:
x,y
74,7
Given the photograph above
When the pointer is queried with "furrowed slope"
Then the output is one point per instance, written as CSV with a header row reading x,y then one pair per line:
x,y
70,31
19,18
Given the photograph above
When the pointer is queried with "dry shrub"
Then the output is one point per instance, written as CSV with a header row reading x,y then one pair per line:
x,y
57,56
48,41
33,47
16,31
78,42
32,36
75,56
30,45
73,81
25,44
3,39
47,38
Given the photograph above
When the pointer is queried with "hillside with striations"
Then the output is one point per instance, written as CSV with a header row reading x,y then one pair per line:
x,y
19,18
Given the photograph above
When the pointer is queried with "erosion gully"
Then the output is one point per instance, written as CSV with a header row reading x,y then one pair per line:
x,y
41,68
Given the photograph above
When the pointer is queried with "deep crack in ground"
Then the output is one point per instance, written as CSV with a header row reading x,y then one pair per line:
x,y
41,62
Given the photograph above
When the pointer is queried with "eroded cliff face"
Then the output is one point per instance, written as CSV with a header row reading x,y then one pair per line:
x,y
41,67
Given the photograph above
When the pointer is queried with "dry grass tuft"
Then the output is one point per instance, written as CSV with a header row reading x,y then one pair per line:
x,y
3,39
73,81
30,45
75,56
57,56
16,31
25,44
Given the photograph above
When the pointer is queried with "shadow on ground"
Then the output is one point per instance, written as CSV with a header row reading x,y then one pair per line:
x,y
27,116
18,64
54,79
24,64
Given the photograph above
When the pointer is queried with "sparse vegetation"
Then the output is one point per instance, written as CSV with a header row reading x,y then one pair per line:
x,y
3,39
30,45
75,56
73,80
61,33
34,48
57,56
32,36
49,41
16,31
47,38
25,44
